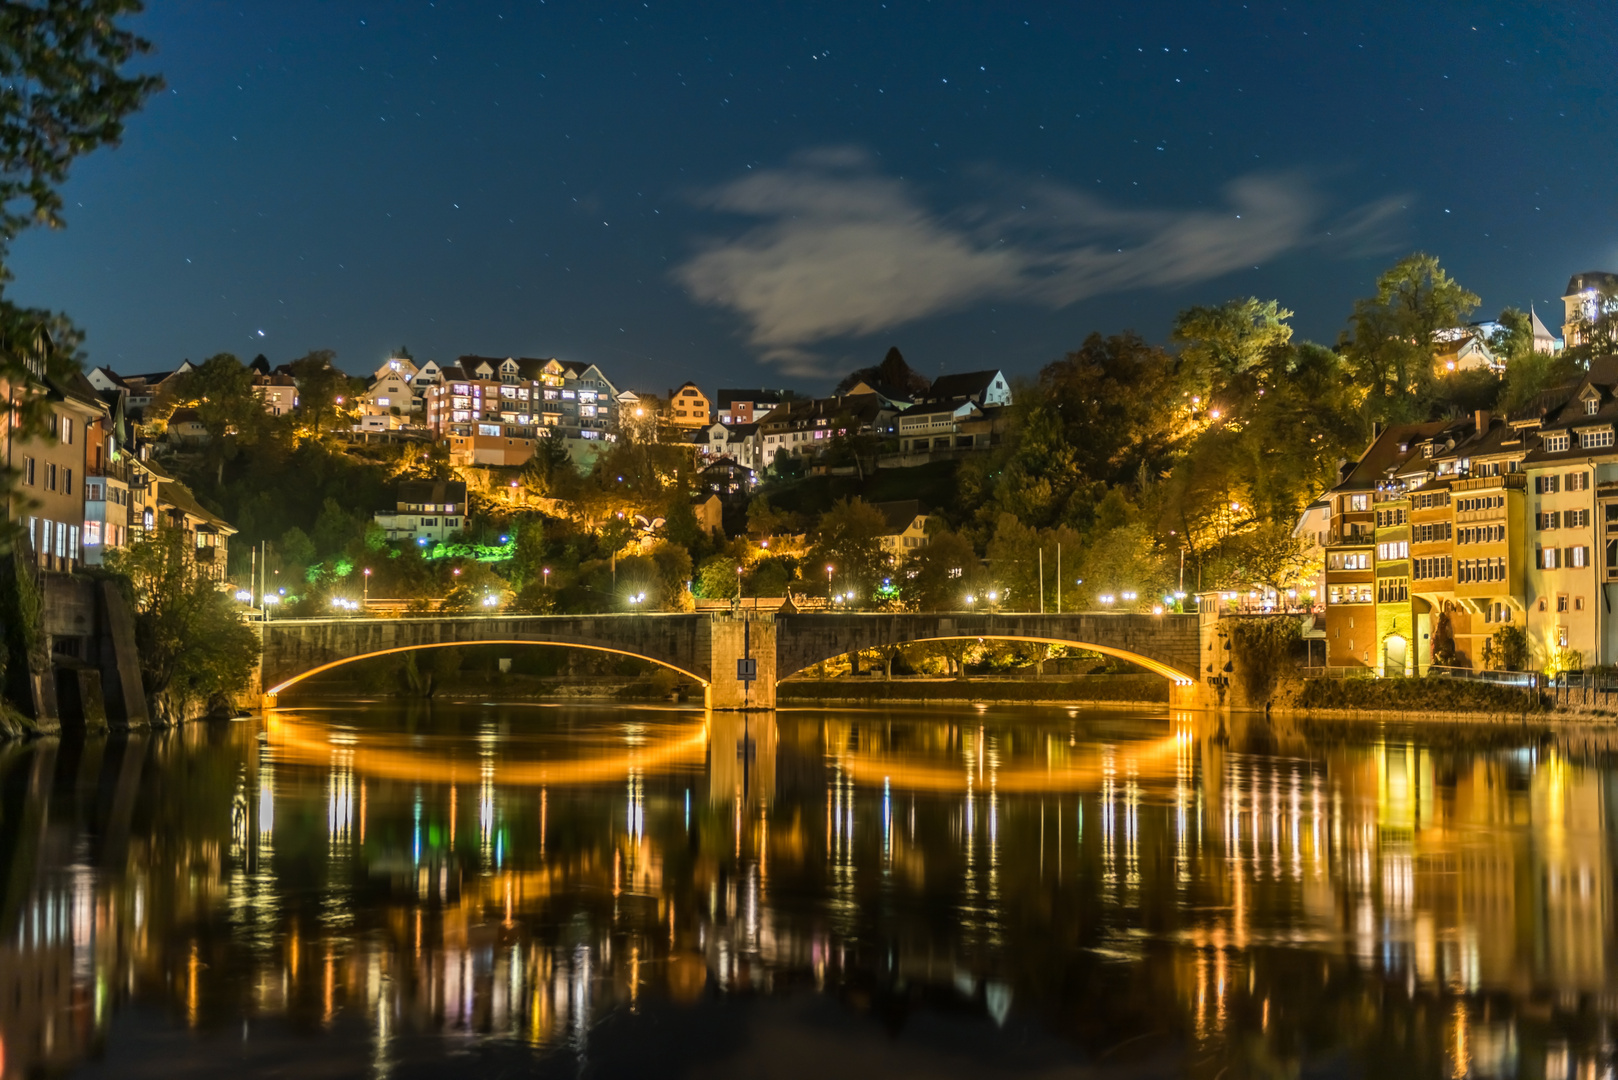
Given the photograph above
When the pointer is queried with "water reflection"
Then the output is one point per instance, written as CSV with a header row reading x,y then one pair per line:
x,y
971,890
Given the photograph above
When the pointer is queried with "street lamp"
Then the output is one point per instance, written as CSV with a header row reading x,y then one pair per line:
x,y
738,584
547,573
270,600
365,594
244,596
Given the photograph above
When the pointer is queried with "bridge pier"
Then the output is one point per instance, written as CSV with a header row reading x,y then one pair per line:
x,y
741,636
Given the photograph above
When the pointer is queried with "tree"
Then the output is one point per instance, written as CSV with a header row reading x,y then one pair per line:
x,y
324,391
941,574
550,472
849,539
221,390
193,644
61,62
65,94
1392,336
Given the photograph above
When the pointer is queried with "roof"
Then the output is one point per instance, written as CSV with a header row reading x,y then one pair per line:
x,y
726,398
964,384
901,514
437,492
863,407
1601,280
179,496
1538,328
185,415
1387,452
953,405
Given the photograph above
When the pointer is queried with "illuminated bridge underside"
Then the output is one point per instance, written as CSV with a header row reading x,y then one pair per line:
x,y
1164,644
707,646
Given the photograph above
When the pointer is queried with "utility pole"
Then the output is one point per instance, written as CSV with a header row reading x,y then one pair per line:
x,y
1059,577
1042,579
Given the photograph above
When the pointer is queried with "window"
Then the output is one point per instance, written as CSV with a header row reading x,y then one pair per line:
x,y
1555,444
67,429
1576,519
1542,603
67,481
1392,590
50,476
92,533
1561,637
1552,520
1395,550
1354,502
1437,566
1591,440
1547,558
1577,557
28,475
1592,406
1561,602
1578,603
1578,481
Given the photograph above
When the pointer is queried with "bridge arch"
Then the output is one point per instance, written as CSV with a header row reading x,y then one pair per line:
x,y
296,649
272,691
1156,667
1165,645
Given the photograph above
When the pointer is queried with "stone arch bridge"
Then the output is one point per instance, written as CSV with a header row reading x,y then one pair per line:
x,y
708,646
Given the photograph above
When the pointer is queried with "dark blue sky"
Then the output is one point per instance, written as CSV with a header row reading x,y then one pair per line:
x,y
756,192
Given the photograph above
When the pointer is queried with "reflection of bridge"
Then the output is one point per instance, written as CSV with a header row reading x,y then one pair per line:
x,y
707,647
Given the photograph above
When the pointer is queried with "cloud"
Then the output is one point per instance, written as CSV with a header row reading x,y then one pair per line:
x,y
842,251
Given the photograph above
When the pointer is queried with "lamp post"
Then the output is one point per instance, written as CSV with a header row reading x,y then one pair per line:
x,y
270,600
829,569
365,592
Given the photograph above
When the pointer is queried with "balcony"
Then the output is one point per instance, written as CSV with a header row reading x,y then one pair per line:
x,y
1351,533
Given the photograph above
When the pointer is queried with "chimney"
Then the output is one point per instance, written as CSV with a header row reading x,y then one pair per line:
x,y
1481,419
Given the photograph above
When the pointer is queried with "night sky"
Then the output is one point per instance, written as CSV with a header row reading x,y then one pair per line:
x,y
767,193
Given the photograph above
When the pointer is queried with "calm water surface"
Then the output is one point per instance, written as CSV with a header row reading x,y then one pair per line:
x,y
532,890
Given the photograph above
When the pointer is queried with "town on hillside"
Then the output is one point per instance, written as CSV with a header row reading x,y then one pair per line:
x,y
1439,513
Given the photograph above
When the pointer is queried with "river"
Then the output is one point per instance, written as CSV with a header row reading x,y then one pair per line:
x,y
481,890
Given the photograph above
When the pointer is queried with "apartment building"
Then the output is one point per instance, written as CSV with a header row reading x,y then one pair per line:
x,y
1582,300
107,499
1370,514
688,407
425,510
800,428
747,406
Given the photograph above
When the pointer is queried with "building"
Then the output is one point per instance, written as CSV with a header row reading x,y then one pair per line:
x,y
953,425
1583,300
906,527
805,428
1366,511
389,393
729,479
425,511
747,406
48,497
1544,341
185,426
1464,350
207,535
278,391
981,388
107,500
688,407
139,390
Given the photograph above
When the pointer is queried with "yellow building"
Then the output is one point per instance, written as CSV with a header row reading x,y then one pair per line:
x,y
689,407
